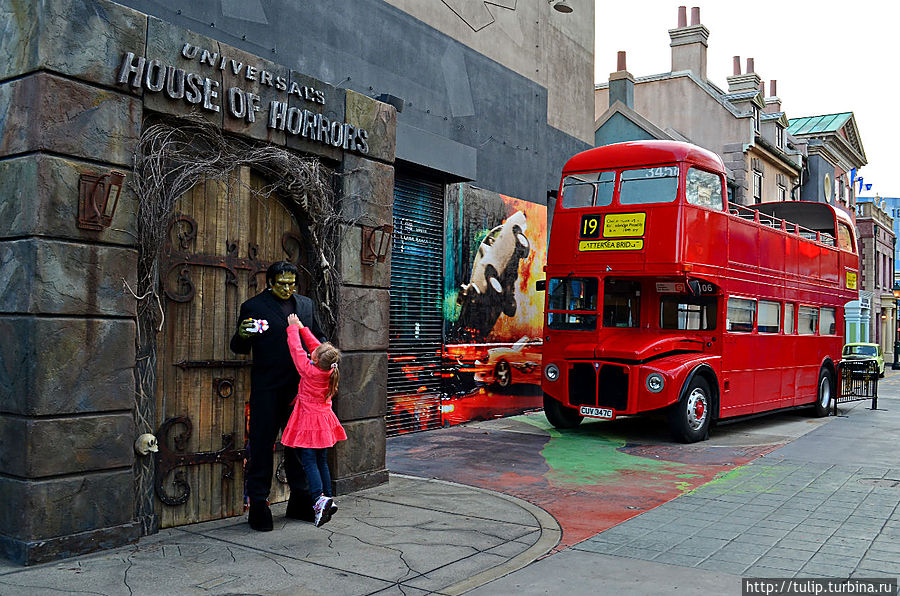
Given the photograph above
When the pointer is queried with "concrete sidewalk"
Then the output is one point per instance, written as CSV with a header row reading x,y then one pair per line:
x,y
826,505
410,536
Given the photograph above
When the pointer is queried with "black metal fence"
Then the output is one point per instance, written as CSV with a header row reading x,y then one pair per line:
x,y
858,380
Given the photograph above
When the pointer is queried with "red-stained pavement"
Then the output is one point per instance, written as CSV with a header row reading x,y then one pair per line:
x,y
592,477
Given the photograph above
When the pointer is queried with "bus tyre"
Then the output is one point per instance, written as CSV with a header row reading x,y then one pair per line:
x,y
824,394
559,415
689,418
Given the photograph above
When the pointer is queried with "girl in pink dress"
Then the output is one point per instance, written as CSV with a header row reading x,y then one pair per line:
x,y
313,426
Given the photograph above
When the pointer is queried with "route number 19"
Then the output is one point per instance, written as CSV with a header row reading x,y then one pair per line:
x,y
590,226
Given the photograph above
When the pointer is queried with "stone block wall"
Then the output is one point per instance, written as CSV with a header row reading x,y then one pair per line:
x,y
66,365
67,378
366,195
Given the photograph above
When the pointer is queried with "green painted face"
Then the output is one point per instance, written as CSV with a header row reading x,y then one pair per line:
x,y
284,285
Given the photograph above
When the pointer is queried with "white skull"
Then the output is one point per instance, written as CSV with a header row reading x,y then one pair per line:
x,y
145,443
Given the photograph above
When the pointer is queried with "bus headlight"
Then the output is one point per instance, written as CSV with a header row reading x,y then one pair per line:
x,y
655,382
551,371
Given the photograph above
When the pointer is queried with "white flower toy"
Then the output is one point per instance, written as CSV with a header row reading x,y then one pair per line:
x,y
259,326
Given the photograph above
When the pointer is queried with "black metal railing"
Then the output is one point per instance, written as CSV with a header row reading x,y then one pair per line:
x,y
858,381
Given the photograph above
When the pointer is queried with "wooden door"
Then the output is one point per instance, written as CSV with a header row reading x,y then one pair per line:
x,y
224,237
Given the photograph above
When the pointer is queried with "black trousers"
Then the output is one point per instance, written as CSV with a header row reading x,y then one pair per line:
x,y
270,410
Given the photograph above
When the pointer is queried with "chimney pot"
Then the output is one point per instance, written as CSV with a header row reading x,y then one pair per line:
x,y
750,67
695,15
762,89
682,16
737,65
772,88
620,61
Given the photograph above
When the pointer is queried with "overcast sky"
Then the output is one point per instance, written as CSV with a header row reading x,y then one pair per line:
x,y
827,57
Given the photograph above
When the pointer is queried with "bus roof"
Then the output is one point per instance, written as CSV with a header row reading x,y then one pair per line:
x,y
642,153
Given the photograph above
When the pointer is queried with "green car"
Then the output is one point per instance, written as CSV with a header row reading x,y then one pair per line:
x,y
861,351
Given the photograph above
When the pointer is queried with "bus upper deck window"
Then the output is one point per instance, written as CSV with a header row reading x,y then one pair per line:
x,y
621,303
703,189
845,237
649,185
587,190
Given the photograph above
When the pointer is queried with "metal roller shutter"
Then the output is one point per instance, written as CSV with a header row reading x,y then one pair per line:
x,y
416,326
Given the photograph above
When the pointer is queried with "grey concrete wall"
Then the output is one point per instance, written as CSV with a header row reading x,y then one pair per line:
x,y
451,90
553,49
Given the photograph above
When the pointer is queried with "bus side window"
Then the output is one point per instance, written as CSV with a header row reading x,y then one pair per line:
x,y
769,315
807,320
741,313
687,312
704,189
845,237
788,319
826,321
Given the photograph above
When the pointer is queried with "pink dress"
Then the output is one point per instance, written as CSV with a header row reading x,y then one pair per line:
x,y
313,423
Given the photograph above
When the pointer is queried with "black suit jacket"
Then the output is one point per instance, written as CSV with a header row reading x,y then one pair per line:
x,y
272,363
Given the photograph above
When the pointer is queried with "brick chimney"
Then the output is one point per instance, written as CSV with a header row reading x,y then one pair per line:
x,y
689,43
621,83
743,82
773,102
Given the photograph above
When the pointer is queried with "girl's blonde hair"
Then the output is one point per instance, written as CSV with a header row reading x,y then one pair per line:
x,y
327,357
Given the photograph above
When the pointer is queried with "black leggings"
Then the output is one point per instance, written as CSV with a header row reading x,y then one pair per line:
x,y
270,410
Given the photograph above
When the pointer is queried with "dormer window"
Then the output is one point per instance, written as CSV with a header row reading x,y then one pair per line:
x,y
779,136
755,119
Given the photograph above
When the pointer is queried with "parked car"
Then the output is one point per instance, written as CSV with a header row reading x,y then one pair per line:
x,y
865,351
516,363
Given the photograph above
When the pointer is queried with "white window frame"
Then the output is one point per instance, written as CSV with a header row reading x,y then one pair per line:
x,y
757,185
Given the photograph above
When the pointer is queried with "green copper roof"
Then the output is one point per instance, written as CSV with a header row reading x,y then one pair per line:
x,y
818,124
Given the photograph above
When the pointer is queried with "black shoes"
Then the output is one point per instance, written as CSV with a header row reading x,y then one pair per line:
x,y
299,508
260,516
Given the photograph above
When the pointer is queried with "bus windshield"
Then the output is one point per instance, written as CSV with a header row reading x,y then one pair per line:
x,y
621,303
578,296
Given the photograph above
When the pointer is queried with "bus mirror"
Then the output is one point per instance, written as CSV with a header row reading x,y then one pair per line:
x,y
540,285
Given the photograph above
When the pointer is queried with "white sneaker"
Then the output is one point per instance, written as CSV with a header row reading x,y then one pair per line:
x,y
323,510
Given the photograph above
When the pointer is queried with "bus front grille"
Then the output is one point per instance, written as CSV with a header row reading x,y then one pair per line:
x,y
612,380
582,384
613,385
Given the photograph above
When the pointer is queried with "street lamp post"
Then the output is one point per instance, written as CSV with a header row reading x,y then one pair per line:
x,y
896,364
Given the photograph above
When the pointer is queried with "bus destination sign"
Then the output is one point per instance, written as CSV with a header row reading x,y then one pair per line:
x,y
624,244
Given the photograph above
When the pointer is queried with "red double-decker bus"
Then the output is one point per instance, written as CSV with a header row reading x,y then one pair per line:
x,y
662,295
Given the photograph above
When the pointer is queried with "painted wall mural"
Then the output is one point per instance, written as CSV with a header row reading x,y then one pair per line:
x,y
495,251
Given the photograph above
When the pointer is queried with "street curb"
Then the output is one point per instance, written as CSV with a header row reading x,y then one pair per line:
x,y
551,533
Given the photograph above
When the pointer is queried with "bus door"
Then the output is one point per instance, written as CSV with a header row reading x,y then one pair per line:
x,y
769,346
739,358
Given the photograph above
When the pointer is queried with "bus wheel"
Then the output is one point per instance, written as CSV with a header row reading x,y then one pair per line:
x,y
559,415
824,394
689,418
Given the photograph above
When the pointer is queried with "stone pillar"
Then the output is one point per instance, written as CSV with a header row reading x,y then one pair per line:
x,y
67,358
367,194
